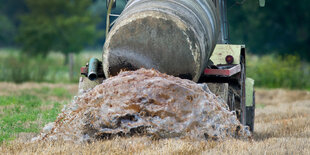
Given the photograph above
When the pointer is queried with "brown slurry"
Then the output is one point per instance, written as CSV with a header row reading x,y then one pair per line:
x,y
145,102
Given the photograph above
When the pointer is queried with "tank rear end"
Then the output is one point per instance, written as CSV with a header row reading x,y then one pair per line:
x,y
174,37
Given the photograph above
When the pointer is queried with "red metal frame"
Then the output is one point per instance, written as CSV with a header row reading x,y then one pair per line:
x,y
223,72
84,70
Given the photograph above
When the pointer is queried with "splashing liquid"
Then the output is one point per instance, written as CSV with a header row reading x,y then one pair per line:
x,y
145,102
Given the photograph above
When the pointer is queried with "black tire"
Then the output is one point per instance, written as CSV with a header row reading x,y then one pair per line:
x,y
250,115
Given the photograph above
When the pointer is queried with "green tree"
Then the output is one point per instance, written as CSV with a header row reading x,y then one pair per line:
x,y
281,26
60,25
7,30
9,21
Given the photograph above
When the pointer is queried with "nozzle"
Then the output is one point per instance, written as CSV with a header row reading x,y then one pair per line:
x,y
93,69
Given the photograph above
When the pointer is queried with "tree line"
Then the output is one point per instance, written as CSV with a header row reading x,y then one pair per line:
x,y
39,26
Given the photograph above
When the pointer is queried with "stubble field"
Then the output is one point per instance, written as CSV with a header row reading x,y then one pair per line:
x,y
282,125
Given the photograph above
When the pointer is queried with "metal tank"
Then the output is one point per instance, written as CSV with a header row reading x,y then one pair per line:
x,y
176,37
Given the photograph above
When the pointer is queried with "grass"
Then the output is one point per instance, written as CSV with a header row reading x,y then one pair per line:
x,y
273,71
28,110
270,71
58,92
144,145
18,115
282,116
260,106
18,67
282,126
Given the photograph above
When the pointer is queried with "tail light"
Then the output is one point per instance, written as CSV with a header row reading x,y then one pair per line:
x,y
229,59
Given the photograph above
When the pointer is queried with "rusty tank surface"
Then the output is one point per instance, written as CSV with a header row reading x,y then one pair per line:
x,y
173,37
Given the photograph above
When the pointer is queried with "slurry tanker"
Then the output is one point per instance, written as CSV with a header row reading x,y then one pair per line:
x,y
183,38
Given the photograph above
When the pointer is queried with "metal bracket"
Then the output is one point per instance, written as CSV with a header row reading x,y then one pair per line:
x,y
223,72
